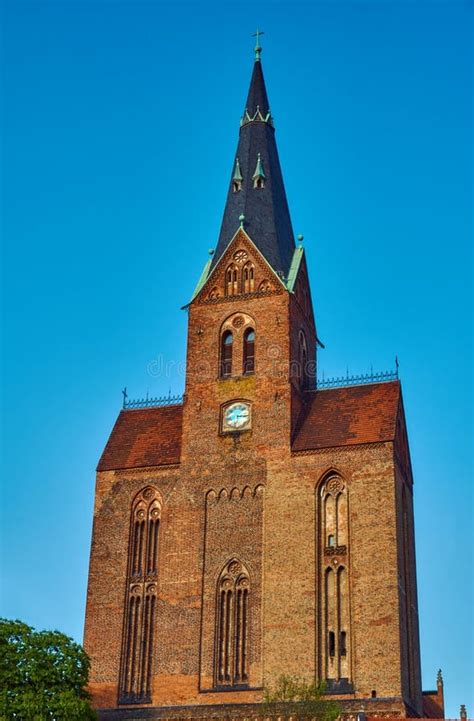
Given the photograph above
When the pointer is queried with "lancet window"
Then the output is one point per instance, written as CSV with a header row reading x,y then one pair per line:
x,y
227,342
141,593
249,351
248,280
232,625
232,280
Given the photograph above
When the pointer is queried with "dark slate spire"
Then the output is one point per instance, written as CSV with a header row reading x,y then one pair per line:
x,y
260,196
257,97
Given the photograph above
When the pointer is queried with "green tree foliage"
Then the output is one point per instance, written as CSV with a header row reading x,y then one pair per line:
x,y
43,675
300,699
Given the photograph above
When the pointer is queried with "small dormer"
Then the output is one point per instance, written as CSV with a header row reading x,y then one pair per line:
x,y
259,174
237,177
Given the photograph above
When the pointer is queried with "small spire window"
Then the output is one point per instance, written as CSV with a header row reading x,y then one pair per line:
x,y
249,351
259,174
237,177
226,354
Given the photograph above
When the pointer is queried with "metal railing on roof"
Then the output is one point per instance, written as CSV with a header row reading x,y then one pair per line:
x,y
357,380
321,384
147,402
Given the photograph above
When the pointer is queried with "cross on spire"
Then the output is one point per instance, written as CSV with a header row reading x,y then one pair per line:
x,y
258,48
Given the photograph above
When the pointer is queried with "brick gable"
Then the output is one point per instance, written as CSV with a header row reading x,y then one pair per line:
x,y
266,281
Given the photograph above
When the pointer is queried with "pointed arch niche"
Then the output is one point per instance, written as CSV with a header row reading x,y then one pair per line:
x,y
332,522
141,595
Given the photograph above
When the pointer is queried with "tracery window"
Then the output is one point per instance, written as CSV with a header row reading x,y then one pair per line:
x,y
333,551
141,592
227,341
249,351
235,346
232,625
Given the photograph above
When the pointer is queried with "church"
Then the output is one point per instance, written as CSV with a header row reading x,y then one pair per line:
x,y
262,524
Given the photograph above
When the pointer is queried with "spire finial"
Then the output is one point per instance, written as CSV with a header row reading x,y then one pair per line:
x,y
258,48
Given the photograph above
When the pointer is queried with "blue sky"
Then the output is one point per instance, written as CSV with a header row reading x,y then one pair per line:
x,y
120,125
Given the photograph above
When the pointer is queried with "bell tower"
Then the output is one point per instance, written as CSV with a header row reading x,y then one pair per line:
x,y
252,334
262,524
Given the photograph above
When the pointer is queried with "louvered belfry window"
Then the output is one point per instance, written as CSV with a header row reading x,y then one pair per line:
x,y
232,626
141,594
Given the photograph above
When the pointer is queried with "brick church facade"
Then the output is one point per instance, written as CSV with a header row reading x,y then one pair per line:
x,y
263,525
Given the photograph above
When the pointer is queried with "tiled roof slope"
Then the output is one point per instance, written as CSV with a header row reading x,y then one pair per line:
x,y
347,416
144,437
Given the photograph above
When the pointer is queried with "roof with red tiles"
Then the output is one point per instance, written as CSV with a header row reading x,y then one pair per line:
x,y
348,416
144,437
334,417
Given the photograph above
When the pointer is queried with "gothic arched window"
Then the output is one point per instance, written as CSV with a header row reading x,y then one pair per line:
x,y
137,646
232,625
231,285
249,351
248,278
226,354
334,652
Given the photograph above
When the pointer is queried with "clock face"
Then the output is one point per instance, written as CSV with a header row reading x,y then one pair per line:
x,y
236,417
